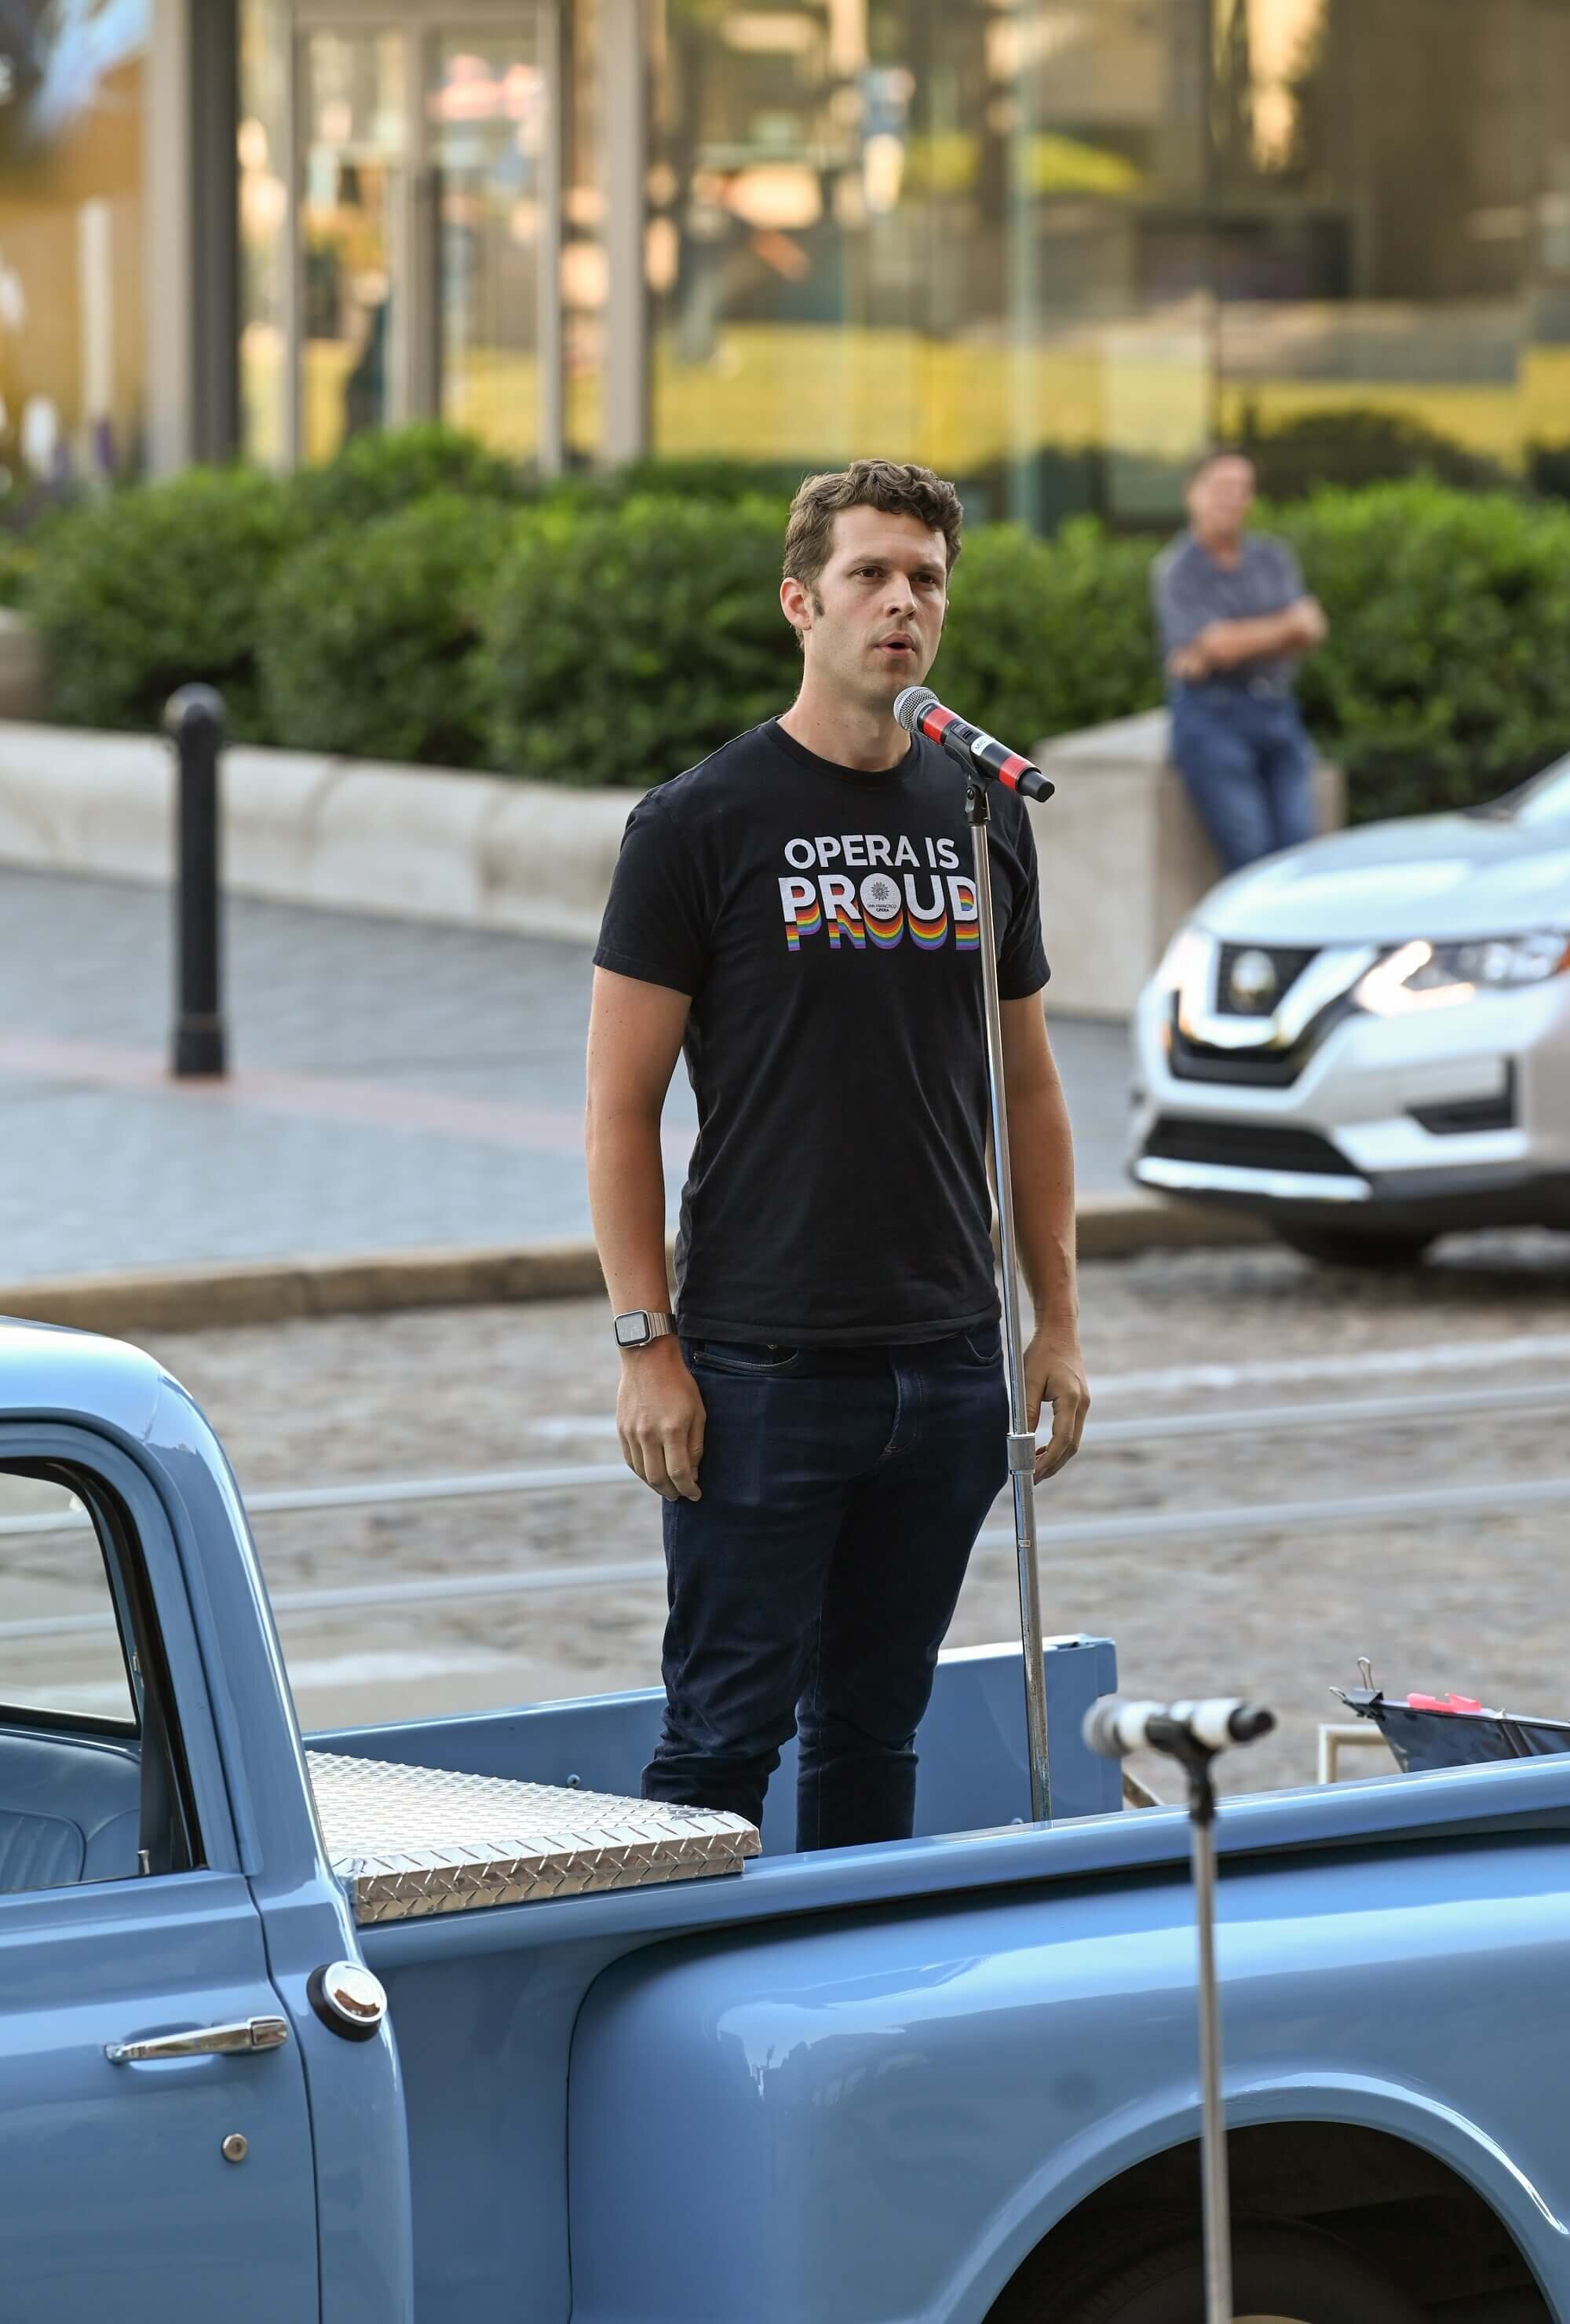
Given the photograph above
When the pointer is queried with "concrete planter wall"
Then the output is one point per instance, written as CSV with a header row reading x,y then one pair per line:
x,y
1125,857
1122,857
482,851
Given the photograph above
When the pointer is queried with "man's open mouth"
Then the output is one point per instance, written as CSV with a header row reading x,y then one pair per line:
x,y
895,646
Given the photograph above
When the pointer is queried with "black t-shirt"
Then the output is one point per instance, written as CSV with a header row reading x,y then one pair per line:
x,y
823,923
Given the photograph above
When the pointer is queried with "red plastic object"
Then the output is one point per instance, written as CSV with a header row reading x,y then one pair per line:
x,y
1442,1702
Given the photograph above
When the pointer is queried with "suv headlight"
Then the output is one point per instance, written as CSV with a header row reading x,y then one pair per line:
x,y
1188,953
1437,976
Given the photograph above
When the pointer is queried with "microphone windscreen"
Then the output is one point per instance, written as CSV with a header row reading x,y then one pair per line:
x,y
910,704
1104,1729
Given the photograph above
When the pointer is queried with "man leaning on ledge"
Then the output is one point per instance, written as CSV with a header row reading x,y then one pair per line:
x,y
1234,620
825,1418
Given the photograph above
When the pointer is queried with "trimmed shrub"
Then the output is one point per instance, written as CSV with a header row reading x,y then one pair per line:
x,y
1045,637
1358,445
18,563
388,468
622,645
691,479
152,587
1548,470
1447,676
369,636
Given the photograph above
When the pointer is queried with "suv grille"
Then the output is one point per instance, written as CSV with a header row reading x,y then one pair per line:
x,y
1196,1061
1246,1145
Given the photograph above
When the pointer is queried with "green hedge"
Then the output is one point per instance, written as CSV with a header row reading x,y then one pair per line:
x,y
376,473
624,644
147,589
368,636
420,599
1045,637
1446,677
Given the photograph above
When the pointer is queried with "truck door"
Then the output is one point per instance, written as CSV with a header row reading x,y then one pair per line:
x,y
155,2146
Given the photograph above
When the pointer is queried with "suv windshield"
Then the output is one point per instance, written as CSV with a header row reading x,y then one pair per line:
x,y
1547,799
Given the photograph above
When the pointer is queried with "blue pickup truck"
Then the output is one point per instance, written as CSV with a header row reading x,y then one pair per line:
x,y
440,2022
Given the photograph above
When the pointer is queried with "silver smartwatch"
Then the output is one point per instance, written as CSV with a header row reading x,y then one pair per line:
x,y
639,1326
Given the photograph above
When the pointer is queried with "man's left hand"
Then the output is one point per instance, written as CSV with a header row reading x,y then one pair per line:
x,y
1054,1374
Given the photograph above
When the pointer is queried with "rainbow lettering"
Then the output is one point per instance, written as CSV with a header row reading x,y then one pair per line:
x,y
803,914
927,922
807,924
841,911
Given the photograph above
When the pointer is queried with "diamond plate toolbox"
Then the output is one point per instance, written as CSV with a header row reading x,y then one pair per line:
x,y
412,1841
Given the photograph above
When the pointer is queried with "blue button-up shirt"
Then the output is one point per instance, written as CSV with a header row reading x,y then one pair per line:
x,y
1191,590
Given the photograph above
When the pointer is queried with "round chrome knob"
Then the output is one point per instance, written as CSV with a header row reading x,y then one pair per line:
x,y
346,1998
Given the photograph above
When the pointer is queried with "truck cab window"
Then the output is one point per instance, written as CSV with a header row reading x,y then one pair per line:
x,y
90,1784
61,1651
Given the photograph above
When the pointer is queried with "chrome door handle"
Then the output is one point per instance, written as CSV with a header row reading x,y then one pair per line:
x,y
203,2042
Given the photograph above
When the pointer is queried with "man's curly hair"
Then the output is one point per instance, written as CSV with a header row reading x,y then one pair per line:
x,y
894,487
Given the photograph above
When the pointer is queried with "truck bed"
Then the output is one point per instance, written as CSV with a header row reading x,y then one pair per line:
x,y
485,2002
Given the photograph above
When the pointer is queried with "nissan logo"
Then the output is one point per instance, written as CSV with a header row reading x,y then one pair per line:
x,y
1253,983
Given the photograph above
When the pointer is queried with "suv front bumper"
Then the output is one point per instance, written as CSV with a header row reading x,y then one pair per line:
x,y
1445,1117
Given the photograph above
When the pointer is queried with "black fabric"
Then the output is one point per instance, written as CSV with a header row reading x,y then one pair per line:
x,y
822,922
811,1585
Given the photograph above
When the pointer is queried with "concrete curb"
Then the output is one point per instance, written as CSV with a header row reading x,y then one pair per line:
x,y
288,1290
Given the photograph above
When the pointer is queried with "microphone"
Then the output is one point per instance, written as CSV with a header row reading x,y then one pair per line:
x,y
920,712
1115,1728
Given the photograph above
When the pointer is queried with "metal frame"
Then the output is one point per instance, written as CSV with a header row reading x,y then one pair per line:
x,y
1337,1736
414,368
1021,1441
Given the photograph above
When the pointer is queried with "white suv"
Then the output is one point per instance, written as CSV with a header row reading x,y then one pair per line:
x,y
1367,1039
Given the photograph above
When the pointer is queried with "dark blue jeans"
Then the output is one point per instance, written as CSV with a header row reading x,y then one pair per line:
x,y
1247,765
811,1585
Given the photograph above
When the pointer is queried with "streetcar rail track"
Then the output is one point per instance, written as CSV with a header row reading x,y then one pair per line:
x,y
387,1492
1147,1527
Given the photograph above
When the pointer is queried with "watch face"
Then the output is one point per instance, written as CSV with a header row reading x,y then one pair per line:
x,y
632,1331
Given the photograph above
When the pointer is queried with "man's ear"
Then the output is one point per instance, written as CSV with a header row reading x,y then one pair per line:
x,y
795,602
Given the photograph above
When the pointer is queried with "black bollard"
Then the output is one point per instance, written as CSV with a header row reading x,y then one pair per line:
x,y
194,718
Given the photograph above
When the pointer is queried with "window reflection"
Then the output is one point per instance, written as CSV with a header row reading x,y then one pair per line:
x,y
1050,246
71,337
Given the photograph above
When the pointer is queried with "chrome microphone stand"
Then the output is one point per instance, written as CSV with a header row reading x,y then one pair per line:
x,y
1194,1733
1022,1442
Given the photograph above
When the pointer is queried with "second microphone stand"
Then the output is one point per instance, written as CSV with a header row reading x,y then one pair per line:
x,y
1022,1442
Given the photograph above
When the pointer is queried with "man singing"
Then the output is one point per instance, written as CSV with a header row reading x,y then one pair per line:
x,y
828,1431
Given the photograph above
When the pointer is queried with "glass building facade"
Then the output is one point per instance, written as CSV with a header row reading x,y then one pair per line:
x,y
73,238
1048,246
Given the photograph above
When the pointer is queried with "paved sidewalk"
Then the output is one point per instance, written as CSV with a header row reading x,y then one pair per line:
x,y
394,1084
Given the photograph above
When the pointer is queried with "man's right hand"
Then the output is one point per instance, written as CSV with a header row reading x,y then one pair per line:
x,y
660,1419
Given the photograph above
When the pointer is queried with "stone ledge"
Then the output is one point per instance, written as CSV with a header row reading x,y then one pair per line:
x,y
287,1290
1122,856
344,834
1125,859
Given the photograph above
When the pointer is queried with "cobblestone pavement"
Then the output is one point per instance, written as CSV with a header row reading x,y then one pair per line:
x,y
1471,1600
394,1084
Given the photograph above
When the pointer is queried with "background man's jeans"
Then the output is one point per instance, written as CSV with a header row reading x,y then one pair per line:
x,y
1246,764
811,1586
